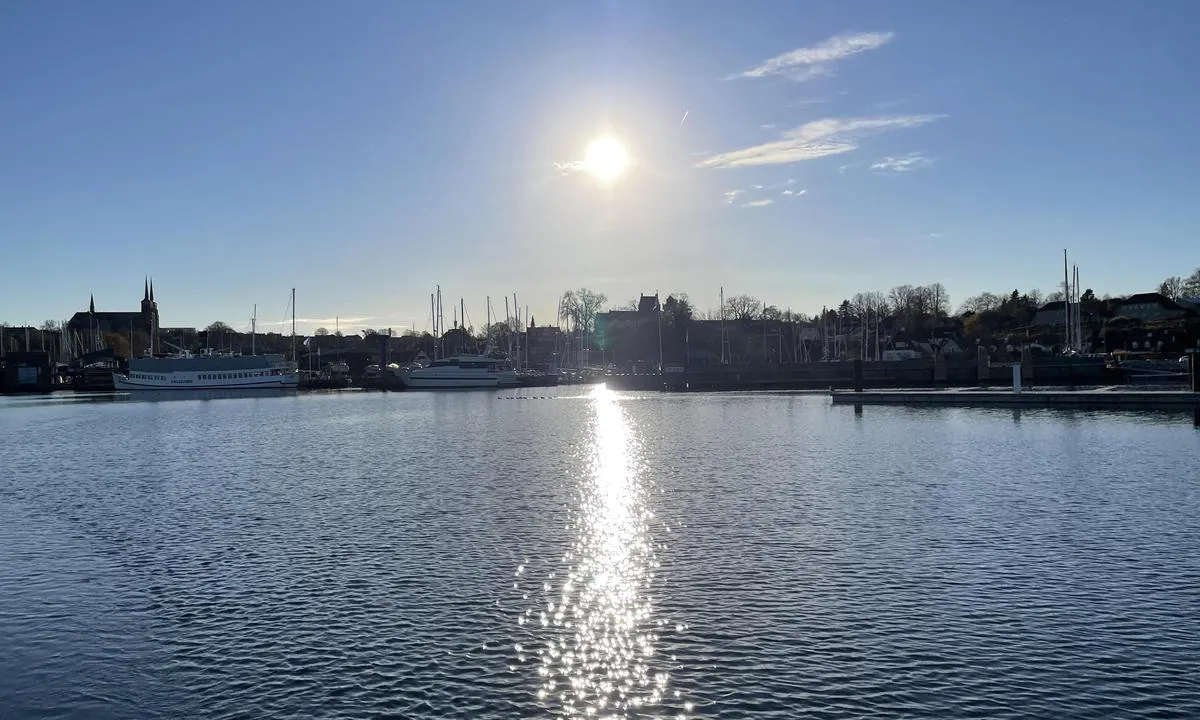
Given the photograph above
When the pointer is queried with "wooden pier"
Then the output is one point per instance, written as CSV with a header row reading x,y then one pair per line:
x,y
1115,398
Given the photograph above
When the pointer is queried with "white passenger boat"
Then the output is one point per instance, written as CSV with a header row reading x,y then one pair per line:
x,y
460,371
208,371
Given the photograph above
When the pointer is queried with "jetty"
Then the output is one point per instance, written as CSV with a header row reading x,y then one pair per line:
x,y
1112,397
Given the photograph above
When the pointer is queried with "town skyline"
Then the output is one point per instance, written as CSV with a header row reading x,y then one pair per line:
x,y
799,153
1174,287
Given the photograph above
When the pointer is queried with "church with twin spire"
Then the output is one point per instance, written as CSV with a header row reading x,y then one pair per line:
x,y
144,320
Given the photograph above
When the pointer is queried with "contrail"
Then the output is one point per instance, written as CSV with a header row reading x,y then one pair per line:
x,y
685,113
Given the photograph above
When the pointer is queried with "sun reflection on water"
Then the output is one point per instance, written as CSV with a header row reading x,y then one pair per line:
x,y
597,656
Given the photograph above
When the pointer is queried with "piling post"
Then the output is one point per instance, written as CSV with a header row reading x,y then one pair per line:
x,y
939,370
1194,371
1027,365
1016,371
858,375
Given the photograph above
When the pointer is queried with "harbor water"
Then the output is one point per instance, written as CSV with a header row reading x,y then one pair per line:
x,y
577,552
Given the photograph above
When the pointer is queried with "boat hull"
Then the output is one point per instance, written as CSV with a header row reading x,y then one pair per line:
x,y
274,382
422,380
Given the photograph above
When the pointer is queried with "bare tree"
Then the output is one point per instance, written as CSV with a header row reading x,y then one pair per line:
x,y
871,303
742,307
219,327
322,332
1172,287
937,300
902,298
581,306
49,325
1191,286
982,302
567,307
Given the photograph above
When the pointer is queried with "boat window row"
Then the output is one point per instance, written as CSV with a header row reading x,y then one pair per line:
x,y
147,376
474,364
236,375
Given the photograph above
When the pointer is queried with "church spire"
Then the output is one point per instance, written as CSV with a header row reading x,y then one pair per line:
x,y
145,289
92,304
151,289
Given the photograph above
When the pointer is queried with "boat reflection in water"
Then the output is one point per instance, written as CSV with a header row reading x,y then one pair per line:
x,y
162,395
597,633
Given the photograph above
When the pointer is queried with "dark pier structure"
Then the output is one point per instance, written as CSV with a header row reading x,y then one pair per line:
x,y
27,372
1018,396
858,374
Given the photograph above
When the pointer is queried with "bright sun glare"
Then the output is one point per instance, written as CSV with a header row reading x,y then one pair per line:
x,y
606,159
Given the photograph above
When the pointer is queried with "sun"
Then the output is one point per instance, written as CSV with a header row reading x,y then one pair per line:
x,y
606,159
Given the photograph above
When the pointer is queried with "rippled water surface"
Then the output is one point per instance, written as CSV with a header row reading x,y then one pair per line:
x,y
594,554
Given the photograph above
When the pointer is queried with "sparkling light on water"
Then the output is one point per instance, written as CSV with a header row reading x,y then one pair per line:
x,y
598,657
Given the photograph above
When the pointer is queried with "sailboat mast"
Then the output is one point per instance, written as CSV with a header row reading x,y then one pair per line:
x,y
253,328
877,355
293,324
1066,298
1078,315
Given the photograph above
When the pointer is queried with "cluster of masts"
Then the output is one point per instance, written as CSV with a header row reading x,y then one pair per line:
x,y
437,315
1072,317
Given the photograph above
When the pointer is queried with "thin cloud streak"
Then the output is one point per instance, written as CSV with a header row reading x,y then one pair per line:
x,y
907,163
817,139
806,63
757,203
347,321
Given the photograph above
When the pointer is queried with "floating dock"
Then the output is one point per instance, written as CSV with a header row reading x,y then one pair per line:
x,y
1115,397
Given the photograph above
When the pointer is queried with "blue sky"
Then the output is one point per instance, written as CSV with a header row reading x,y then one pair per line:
x,y
363,151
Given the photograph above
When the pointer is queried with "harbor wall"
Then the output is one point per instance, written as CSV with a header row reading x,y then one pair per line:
x,y
942,372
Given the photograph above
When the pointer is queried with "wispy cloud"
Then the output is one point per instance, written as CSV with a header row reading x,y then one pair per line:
x,y
758,203
817,139
347,321
806,63
795,193
732,195
906,163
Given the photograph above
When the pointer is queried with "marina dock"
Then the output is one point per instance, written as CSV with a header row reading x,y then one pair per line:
x,y
1112,397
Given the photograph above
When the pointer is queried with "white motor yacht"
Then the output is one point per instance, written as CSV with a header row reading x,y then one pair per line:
x,y
461,371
